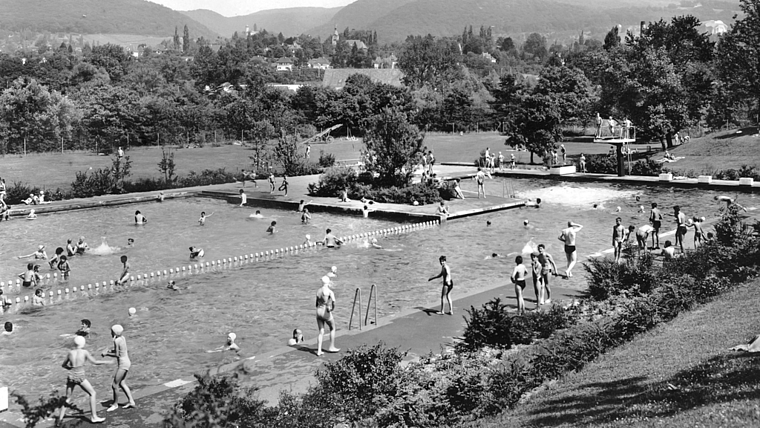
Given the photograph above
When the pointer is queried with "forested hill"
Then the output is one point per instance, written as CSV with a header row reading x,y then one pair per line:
x,y
96,16
290,21
395,19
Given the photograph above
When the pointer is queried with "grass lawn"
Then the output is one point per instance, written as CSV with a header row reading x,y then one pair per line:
x,y
54,170
680,374
722,150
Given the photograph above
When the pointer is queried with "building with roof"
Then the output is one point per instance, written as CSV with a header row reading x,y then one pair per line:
x,y
284,64
320,63
336,78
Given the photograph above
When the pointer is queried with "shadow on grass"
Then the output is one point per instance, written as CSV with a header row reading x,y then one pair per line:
x,y
742,132
722,379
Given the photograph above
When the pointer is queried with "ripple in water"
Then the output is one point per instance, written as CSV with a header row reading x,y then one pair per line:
x,y
569,195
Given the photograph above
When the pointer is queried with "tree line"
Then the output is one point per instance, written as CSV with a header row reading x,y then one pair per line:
x,y
669,77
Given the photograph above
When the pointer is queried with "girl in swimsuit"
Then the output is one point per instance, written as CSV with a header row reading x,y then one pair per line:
x,y
123,364
75,364
518,278
325,306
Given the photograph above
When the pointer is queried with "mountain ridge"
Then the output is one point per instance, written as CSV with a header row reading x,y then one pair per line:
x,y
289,21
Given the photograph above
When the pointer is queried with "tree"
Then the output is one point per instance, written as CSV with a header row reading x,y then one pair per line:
x,y
612,39
739,55
167,166
186,40
570,89
535,45
427,60
394,144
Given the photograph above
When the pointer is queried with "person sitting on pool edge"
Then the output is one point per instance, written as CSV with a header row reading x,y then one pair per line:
x,y
196,253
297,338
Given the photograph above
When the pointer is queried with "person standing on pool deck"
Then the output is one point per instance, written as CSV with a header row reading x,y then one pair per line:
x,y
284,185
243,198
681,228
448,284
125,271
598,125
442,211
655,217
618,235
325,306
74,363
480,178
568,237
642,234
518,279
123,365
538,286
547,266
271,182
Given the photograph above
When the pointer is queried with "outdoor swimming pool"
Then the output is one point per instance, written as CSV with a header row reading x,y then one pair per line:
x,y
263,301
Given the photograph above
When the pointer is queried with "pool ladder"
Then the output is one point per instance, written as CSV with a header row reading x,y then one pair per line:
x,y
507,191
358,298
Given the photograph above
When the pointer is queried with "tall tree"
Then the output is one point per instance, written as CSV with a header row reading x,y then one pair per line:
x,y
739,55
394,144
427,60
186,40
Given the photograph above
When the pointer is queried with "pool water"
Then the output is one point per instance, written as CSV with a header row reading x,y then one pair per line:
x,y
262,302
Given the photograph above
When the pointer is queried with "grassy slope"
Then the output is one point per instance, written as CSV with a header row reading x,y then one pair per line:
x,y
53,170
680,374
720,150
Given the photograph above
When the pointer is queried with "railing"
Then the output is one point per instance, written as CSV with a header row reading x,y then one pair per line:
x,y
507,191
617,132
358,298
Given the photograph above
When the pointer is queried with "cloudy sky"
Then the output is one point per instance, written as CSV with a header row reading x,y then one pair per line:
x,y
244,7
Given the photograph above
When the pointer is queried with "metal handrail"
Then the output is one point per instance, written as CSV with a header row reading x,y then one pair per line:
x,y
357,295
369,299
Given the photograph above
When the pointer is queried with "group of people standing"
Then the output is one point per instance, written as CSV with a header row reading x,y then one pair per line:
x,y
623,127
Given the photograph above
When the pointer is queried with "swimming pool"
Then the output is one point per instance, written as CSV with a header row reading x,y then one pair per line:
x,y
263,301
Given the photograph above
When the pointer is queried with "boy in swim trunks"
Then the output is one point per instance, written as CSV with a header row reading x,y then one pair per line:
x,y
123,365
568,237
271,182
518,279
29,277
284,185
655,218
74,362
202,219
330,240
305,216
538,286
448,284
681,228
547,267
480,178
618,236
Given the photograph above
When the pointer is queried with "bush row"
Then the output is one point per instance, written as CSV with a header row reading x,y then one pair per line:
x,y
720,174
606,164
335,180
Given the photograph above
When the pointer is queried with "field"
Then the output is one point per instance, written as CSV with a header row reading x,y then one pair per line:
x,y
680,374
723,150
54,170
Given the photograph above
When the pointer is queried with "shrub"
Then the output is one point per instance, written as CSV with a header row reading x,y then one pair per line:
x,y
326,160
206,177
608,278
333,181
488,326
647,167
18,192
601,164
217,401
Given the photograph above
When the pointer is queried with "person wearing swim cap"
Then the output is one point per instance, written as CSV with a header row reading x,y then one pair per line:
x,y
39,254
74,363
121,354
448,284
325,306
307,241
231,345
333,272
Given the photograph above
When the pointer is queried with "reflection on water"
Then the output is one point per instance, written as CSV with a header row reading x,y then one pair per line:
x,y
262,302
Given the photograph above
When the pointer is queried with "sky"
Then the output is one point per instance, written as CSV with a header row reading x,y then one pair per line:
x,y
245,7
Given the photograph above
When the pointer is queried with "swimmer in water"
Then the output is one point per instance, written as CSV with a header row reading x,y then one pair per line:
x,y
160,197
365,211
172,286
8,328
196,253
325,306
39,254
305,216
84,329
130,242
139,218
29,277
82,246
272,228
38,299
32,215
123,362
534,204
71,249
53,262
124,277
307,241
257,215
4,301
74,363
296,339
229,345
302,205
202,219
63,266
330,240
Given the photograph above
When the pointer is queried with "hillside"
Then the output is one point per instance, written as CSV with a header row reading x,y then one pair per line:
x,y
96,16
361,14
394,20
290,22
